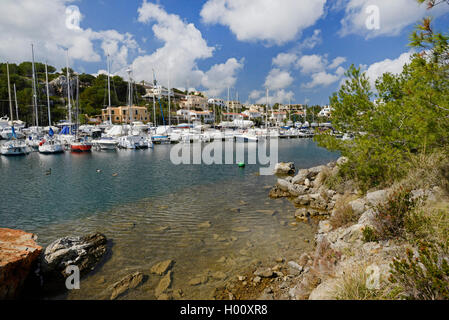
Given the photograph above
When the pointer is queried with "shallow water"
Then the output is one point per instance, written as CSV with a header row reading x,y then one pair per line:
x,y
153,210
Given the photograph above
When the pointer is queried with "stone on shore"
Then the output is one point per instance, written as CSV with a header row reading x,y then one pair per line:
x,y
264,272
377,197
18,254
285,168
129,282
162,267
300,177
84,252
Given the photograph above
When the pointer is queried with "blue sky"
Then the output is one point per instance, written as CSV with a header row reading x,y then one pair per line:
x,y
214,44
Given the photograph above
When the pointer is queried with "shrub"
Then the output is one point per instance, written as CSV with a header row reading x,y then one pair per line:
x,y
391,217
343,214
424,277
370,235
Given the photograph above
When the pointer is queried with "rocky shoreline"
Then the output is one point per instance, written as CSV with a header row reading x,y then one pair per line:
x,y
339,250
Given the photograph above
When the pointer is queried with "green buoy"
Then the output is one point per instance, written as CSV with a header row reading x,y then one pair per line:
x,y
241,165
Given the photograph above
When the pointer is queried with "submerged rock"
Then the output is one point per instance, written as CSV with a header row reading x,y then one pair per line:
x,y
164,284
241,229
129,282
162,267
18,254
84,252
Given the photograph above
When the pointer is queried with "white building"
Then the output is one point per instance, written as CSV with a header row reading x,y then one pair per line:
x,y
194,102
253,114
156,91
217,102
325,112
192,115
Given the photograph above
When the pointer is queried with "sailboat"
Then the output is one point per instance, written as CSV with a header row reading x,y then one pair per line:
x,y
107,142
50,146
14,147
80,144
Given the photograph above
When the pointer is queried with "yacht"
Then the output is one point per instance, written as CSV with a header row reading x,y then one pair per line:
x,y
14,148
50,146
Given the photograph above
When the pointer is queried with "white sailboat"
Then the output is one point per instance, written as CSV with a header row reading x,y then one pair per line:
x,y
14,147
50,145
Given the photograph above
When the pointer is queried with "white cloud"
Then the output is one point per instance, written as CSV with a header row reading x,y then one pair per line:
x,y
322,78
312,41
255,94
183,46
272,21
284,60
337,62
280,96
394,15
52,26
176,59
312,63
278,79
394,66
221,76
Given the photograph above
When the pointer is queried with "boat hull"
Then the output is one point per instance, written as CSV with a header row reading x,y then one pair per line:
x,y
80,147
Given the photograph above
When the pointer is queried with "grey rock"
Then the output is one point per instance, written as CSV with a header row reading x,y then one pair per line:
x,y
294,265
300,177
284,168
83,252
377,197
358,206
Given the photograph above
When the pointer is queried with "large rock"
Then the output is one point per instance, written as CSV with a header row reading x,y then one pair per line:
x,y
297,190
18,254
358,206
84,252
284,185
300,177
129,282
285,168
377,197
313,172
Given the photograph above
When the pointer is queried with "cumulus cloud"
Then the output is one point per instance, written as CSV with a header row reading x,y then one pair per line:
x,y
278,79
280,96
284,60
395,66
52,26
221,76
337,62
394,16
183,46
322,78
272,21
312,63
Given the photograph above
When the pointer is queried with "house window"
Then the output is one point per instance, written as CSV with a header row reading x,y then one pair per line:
x,y
124,112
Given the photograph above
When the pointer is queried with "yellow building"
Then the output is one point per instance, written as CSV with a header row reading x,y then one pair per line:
x,y
123,114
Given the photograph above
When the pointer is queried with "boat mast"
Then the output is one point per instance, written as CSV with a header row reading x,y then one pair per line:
x,y
77,106
154,101
34,87
69,105
48,95
129,95
9,92
266,114
169,101
15,98
109,92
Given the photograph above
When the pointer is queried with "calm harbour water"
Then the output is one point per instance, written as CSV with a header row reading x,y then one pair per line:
x,y
153,210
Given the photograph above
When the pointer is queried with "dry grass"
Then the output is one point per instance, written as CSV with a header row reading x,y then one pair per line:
x,y
343,215
353,286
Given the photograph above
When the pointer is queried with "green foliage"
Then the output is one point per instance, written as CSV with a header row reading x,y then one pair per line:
x,y
407,115
370,235
425,276
393,216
